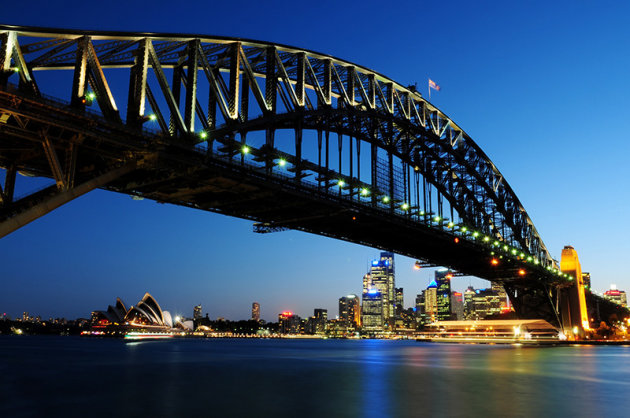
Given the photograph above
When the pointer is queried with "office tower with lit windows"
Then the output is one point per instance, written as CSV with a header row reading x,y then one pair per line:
x,y
400,300
197,312
289,323
443,293
469,294
586,280
503,298
616,295
430,302
372,315
382,278
256,311
350,310
420,308
457,305
485,303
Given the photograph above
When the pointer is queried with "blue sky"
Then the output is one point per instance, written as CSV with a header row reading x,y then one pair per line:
x,y
542,87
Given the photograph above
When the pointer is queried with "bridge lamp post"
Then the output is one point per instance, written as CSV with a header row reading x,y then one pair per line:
x,y
245,149
365,192
152,117
385,199
475,234
203,135
282,162
404,206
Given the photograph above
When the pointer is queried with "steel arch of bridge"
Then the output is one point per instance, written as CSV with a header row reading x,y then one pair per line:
x,y
259,86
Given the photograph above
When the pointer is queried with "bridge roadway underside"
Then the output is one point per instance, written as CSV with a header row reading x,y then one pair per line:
x,y
35,135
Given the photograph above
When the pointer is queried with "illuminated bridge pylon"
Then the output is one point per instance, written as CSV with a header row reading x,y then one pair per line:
x,y
286,137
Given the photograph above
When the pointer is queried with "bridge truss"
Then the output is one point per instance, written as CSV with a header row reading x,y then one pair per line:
x,y
287,137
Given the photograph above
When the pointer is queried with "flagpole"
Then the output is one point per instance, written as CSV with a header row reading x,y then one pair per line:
x,y
429,85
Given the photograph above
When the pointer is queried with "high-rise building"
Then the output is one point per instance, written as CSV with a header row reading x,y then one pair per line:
x,y
197,312
382,278
289,323
503,298
420,309
469,294
615,295
485,302
372,315
400,300
586,280
430,302
350,310
457,305
256,311
443,280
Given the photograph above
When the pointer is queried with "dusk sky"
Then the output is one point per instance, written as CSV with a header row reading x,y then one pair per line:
x,y
542,87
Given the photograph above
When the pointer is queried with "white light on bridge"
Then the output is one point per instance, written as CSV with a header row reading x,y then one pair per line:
x,y
282,162
386,199
152,117
341,183
405,206
365,192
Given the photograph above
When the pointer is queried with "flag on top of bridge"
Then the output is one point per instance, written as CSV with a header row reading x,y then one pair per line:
x,y
433,85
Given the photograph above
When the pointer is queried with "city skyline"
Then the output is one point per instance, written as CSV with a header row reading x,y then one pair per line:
x,y
106,245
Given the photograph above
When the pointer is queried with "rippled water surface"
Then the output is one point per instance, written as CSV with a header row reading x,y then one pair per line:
x,y
72,376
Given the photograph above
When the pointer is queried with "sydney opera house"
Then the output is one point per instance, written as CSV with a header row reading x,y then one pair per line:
x,y
143,319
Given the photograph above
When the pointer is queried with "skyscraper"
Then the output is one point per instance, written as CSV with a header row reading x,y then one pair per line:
x,y
256,311
382,279
400,300
457,305
430,302
443,280
420,308
469,310
197,312
372,316
350,310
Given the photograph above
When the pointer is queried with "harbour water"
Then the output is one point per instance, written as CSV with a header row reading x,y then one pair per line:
x,y
73,376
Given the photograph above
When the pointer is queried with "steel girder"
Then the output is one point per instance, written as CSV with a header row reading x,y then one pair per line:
x,y
315,90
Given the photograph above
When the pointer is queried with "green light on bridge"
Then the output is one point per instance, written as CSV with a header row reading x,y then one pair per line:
x,y
486,239
245,149
341,183
405,206
365,192
203,135
464,229
282,162
91,95
437,219
475,234
451,224
386,199
152,117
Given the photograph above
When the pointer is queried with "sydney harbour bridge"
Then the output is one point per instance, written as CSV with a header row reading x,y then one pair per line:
x,y
282,136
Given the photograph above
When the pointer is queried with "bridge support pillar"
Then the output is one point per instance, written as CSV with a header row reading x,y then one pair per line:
x,y
573,310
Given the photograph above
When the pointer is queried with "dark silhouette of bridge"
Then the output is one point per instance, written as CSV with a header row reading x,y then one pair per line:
x,y
288,138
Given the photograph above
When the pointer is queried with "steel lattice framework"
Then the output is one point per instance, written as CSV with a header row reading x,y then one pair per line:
x,y
422,166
